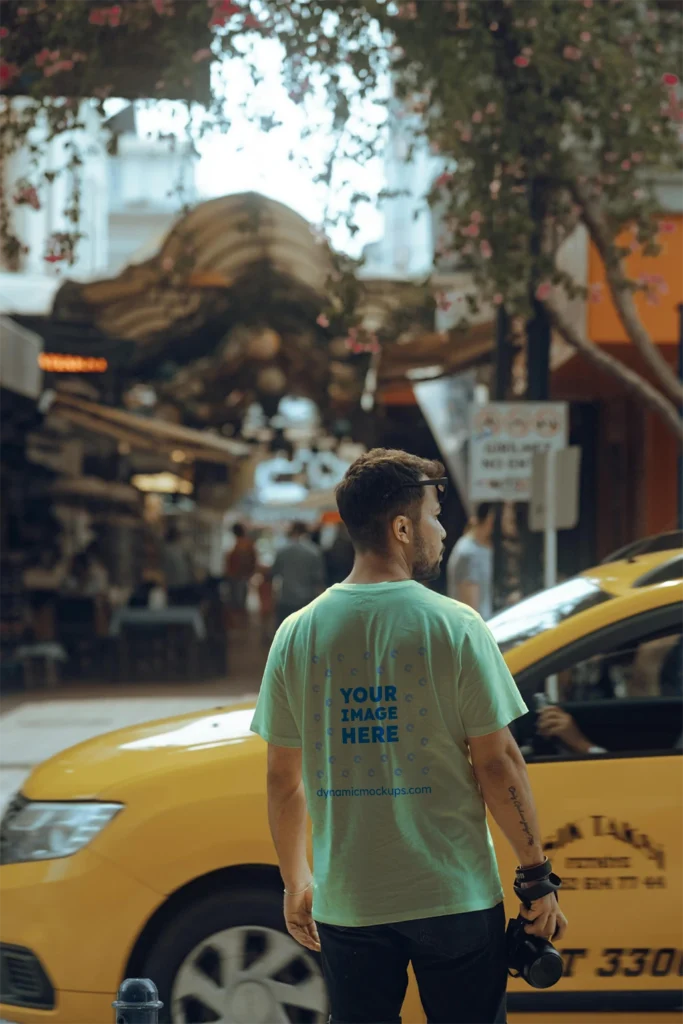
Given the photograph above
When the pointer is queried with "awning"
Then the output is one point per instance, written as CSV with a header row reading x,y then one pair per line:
x,y
147,434
214,248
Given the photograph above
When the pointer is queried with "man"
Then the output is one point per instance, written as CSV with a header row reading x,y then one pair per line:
x,y
240,566
470,568
378,701
300,568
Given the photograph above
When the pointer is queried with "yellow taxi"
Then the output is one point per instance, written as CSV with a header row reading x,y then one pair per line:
x,y
146,853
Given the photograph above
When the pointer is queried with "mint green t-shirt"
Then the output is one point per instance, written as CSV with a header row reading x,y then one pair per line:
x,y
380,684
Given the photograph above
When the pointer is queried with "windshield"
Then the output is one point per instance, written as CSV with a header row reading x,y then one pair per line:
x,y
544,610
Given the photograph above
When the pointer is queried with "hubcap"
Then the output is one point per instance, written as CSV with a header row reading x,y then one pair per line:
x,y
249,975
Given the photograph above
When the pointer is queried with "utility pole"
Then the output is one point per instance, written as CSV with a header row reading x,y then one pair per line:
x,y
501,385
538,334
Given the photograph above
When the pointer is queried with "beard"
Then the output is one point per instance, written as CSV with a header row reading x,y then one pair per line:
x,y
425,568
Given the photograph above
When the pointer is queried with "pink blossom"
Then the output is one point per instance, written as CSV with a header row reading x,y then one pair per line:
x,y
443,179
476,217
521,61
636,157
627,108
97,16
42,57
485,249
322,320
670,79
626,165
494,187
532,23
611,157
571,53
251,22
471,230
466,249
588,3
667,227
466,135
477,117
222,12
115,16
498,299
203,54
639,193
491,108
159,6
4,32
8,73
595,293
408,11
543,291
585,37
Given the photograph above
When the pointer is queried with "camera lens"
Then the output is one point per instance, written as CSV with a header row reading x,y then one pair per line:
x,y
546,970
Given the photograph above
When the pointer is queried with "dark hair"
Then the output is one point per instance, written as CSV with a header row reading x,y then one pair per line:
x,y
298,529
483,511
239,530
379,486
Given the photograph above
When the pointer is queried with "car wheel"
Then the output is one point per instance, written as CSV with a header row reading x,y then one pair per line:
x,y
228,958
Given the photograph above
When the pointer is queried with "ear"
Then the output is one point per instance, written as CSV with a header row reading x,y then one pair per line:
x,y
402,529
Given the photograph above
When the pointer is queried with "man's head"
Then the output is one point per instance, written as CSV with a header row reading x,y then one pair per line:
x,y
391,509
298,530
483,520
239,531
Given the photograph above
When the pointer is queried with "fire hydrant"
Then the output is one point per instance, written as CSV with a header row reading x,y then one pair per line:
x,y
138,1002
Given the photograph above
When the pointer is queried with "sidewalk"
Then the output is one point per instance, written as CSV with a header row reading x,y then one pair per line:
x,y
36,725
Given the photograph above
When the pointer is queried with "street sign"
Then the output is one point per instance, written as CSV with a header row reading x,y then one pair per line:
x,y
566,490
504,436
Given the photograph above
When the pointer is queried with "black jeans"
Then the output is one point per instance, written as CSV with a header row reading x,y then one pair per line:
x,y
459,963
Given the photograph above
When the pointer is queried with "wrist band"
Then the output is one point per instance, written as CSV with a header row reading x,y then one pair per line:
x,y
544,887
537,873
299,891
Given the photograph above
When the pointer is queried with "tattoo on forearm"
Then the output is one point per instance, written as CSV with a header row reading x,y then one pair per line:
x,y
524,824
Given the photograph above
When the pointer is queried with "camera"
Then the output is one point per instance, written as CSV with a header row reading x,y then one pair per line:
x,y
531,957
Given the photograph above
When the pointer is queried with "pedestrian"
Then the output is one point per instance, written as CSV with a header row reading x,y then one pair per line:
x,y
240,566
469,572
178,569
299,568
386,708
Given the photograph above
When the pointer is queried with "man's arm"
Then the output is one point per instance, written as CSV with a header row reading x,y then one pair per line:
x,y
502,776
287,817
469,593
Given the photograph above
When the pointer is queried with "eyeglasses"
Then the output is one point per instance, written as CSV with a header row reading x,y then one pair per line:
x,y
440,482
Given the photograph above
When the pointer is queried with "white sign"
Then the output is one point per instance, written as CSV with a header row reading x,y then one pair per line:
x,y
503,439
564,489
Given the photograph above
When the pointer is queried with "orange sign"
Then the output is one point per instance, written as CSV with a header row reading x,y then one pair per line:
x,y
56,362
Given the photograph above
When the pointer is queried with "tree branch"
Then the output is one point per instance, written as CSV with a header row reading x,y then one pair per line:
x,y
631,380
623,298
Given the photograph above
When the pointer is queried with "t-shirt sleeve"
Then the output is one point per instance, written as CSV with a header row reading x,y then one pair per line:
x,y
273,719
488,695
467,568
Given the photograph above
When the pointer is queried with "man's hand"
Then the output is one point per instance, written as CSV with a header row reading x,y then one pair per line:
x,y
555,723
546,919
299,920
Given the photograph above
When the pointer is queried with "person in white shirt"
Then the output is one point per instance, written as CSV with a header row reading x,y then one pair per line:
x,y
469,574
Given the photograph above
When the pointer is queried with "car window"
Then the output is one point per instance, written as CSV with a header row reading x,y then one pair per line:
x,y
627,699
643,670
545,610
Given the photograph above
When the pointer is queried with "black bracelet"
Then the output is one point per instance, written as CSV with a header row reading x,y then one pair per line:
x,y
542,888
534,874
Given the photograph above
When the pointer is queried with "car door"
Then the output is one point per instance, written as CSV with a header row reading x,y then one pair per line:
x,y
612,827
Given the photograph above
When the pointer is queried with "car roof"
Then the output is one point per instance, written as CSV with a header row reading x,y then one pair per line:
x,y
618,578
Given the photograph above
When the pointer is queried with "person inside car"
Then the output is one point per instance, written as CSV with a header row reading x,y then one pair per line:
x,y
664,654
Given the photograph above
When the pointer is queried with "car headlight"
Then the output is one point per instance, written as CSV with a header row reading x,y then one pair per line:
x,y
33,830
